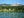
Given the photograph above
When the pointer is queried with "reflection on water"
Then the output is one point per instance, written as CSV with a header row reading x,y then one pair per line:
x,y
11,15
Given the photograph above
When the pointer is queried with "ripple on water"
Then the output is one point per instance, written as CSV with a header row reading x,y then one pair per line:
x,y
11,15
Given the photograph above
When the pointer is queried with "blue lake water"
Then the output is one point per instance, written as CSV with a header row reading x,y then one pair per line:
x,y
11,15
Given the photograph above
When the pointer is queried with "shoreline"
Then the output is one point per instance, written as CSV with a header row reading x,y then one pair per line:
x,y
9,11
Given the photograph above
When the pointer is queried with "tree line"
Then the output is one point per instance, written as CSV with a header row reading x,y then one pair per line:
x,y
13,7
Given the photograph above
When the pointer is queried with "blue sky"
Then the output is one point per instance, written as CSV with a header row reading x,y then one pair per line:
x,y
11,1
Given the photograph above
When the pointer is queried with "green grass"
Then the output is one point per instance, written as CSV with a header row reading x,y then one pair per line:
x,y
10,11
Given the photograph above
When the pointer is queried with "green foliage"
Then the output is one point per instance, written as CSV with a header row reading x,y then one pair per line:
x,y
17,8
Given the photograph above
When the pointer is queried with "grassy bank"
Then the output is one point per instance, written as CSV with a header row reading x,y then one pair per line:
x,y
10,10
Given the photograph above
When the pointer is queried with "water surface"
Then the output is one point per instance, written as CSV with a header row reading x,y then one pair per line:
x,y
11,15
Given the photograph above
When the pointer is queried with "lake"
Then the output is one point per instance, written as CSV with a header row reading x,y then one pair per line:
x,y
11,15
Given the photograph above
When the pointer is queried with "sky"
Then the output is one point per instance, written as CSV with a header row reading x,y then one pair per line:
x,y
11,1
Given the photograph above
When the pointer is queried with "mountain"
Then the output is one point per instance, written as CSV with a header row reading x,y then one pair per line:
x,y
5,4
17,4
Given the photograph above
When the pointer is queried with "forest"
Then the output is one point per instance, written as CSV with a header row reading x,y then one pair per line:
x,y
17,8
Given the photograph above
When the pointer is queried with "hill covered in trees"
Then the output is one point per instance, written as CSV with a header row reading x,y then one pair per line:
x,y
8,6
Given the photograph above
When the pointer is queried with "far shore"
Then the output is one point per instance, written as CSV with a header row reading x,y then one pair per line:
x,y
8,10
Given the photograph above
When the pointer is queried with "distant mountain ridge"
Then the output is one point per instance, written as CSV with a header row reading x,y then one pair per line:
x,y
11,4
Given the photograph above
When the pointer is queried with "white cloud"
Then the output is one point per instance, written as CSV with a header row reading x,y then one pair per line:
x,y
17,3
